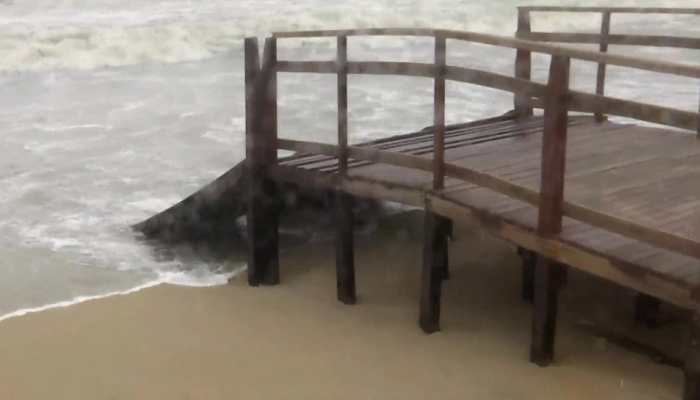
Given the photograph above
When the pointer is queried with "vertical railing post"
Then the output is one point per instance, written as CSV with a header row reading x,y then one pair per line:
x,y
436,228
261,154
523,64
342,66
548,274
600,78
344,250
251,70
698,126
439,113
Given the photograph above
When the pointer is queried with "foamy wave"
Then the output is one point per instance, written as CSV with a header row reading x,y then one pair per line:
x,y
173,278
90,48
85,34
76,300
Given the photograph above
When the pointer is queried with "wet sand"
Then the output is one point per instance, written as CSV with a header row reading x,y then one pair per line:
x,y
294,341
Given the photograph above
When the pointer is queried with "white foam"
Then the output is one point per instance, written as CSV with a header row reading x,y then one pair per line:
x,y
82,34
173,278
76,300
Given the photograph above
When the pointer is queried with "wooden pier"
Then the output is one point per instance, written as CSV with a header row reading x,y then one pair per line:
x,y
617,200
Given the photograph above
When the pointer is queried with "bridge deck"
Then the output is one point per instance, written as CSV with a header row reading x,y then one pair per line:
x,y
643,174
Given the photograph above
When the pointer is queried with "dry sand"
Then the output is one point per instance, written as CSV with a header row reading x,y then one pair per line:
x,y
294,341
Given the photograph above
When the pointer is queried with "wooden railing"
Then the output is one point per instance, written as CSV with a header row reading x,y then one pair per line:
x,y
523,61
556,97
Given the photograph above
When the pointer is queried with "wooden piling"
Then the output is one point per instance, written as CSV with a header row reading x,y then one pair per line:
x,y
548,274
443,256
647,309
432,275
691,370
261,153
344,249
527,286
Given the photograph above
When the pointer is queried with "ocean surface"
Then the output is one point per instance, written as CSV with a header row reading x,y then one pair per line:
x,y
112,110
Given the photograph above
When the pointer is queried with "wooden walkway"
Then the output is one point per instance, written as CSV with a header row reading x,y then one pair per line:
x,y
619,201
612,168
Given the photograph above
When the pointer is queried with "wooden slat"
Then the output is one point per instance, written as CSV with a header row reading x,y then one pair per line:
x,y
610,59
625,40
439,114
600,75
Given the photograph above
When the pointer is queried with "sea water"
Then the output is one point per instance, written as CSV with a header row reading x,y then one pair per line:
x,y
112,110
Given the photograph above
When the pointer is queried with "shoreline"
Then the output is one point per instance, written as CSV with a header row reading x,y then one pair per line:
x,y
296,341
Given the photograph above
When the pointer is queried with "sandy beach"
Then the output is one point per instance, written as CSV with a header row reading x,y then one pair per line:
x,y
295,341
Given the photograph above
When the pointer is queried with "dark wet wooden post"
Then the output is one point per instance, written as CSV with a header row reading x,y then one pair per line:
x,y
529,260
647,309
548,274
435,233
345,262
691,370
261,153
523,62
600,79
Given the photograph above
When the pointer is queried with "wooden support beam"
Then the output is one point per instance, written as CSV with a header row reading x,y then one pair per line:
x,y
529,261
548,273
432,275
344,248
647,309
523,62
600,78
691,370
261,153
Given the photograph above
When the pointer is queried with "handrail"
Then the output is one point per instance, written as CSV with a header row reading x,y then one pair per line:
x,y
556,97
690,71
603,39
628,10
580,101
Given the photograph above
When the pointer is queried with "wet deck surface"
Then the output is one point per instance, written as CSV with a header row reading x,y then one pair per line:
x,y
647,175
